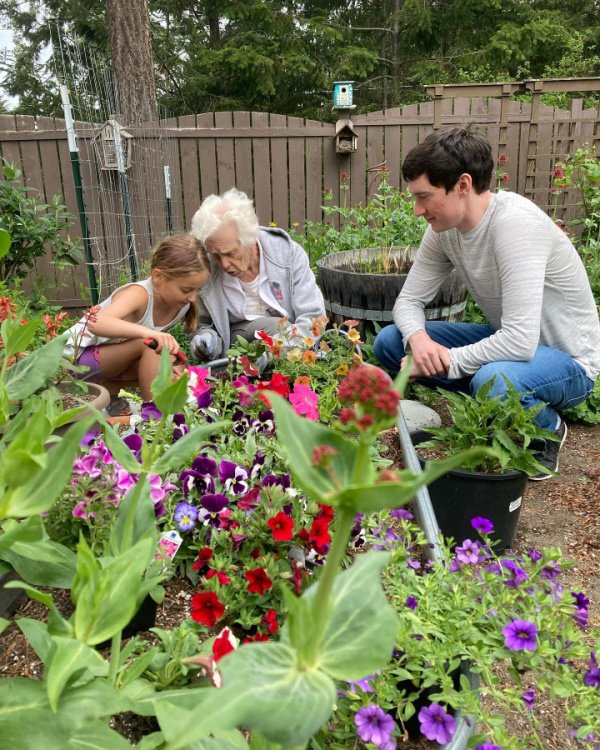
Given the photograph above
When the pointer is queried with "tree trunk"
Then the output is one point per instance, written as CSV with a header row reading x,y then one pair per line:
x,y
131,54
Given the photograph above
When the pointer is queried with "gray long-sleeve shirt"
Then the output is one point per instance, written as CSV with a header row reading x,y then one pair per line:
x,y
525,275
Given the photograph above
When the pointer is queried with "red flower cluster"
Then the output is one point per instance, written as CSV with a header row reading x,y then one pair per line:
x,y
322,455
52,324
7,309
319,534
278,384
369,395
204,557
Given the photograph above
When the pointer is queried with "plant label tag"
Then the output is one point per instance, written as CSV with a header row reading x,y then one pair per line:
x,y
168,544
515,504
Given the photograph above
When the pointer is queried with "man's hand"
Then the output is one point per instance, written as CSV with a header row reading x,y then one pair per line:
x,y
206,346
428,357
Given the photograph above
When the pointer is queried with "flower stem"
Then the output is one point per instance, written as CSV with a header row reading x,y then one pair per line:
x,y
115,654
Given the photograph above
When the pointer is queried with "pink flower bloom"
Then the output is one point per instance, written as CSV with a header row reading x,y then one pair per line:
x,y
305,401
197,383
124,481
79,510
245,389
88,466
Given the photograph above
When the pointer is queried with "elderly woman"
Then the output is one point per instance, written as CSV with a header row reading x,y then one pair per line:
x,y
259,275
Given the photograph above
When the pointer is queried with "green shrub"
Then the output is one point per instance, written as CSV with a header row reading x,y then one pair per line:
x,y
34,228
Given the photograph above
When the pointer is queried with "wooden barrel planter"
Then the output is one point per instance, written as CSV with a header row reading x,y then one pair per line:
x,y
369,295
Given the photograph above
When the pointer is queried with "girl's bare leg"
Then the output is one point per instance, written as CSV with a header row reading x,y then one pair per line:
x,y
133,361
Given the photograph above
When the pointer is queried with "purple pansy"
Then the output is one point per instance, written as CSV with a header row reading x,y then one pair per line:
x,y
134,442
374,725
150,411
520,635
436,723
233,477
411,602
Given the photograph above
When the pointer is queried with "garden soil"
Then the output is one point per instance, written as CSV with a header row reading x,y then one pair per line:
x,y
562,511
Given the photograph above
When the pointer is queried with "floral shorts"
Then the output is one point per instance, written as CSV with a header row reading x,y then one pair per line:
x,y
90,358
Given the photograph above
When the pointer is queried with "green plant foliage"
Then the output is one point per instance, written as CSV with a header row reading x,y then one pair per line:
x,y
500,422
34,228
386,221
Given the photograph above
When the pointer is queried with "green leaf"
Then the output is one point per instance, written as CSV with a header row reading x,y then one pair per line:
x,y
4,242
42,563
26,721
70,657
276,699
120,450
36,633
97,736
33,371
29,530
299,436
57,625
176,454
135,520
16,337
170,396
4,623
42,489
362,630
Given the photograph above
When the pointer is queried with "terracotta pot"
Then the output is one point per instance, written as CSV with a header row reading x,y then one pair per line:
x,y
101,401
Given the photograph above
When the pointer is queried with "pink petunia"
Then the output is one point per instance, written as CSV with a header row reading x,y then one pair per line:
x,y
304,401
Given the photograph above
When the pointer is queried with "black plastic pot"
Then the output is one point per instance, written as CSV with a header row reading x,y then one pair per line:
x,y
413,725
459,496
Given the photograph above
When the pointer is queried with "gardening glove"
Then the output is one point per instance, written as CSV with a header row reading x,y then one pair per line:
x,y
206,346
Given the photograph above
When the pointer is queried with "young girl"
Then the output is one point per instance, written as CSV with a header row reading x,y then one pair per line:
x,y
110,340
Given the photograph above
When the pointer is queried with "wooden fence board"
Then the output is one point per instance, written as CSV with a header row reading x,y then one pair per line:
x,y
280,175
225,153
243,156
296,162
261,169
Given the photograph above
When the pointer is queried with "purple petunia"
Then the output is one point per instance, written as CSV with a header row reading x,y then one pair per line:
x,y
436,723
592,677
402,514
364,684
520,635
374,725
482,525
411,602
488,746
468,552
518,575
186,516
528,698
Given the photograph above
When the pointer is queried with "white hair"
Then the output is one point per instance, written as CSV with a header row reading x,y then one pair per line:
x,y
233,207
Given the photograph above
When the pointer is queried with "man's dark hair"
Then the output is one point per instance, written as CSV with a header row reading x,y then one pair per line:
x,y
446,154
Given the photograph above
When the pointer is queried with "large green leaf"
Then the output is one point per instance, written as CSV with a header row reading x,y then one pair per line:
x,y
70,657
57,625
169,395
29,530
370,498
26,453
277,699
32,372
42,563
97,736
362,630
176,454
44,486
109,595
4,242
37,635
26,721
135,520
120,451
16,337
299,436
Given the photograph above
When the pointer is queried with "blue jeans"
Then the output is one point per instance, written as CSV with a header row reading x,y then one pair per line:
x,y
551,376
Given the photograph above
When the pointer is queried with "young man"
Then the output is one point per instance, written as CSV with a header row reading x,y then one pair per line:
x,y
521,269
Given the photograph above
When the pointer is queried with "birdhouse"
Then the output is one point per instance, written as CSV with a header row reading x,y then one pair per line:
x,y
113,146
346,140
342,95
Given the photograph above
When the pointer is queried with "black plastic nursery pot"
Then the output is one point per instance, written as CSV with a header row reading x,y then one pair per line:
x,y
144,619
459,496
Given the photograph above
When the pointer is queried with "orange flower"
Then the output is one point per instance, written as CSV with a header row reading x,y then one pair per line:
x,y
309,357
302,380
354,336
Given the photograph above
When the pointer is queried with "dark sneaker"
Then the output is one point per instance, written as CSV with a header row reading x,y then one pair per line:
x,y
548,457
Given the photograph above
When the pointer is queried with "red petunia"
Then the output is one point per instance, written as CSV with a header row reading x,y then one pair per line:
x,y
203,558
221,577
206,608
264,337
278,384
258,581
223,644
326,512
319,533
249,368
282,527
270,621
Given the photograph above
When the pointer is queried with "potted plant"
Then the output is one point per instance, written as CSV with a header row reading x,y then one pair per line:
x,y
470,612
493,485
362,265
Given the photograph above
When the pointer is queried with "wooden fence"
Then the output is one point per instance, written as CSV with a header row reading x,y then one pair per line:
x,y
284,163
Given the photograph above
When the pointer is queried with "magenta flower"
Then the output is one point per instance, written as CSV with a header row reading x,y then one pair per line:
x,y
304,401
436,723
246,390
124,481
520,635
482,525
87,466
374,725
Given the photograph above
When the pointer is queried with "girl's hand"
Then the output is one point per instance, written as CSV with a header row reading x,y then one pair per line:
x,y
165,341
